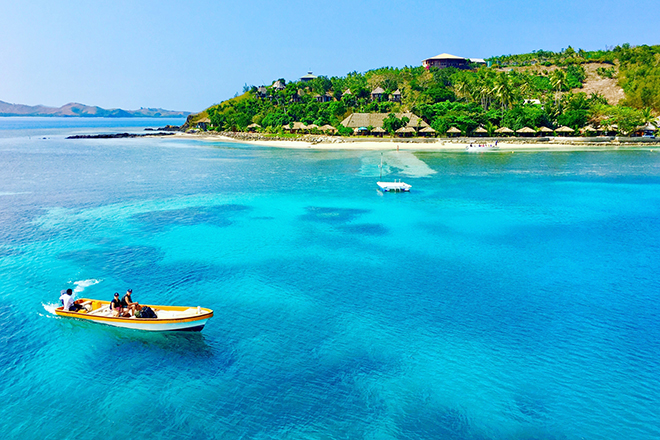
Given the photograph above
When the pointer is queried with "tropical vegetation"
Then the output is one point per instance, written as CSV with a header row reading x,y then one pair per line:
x,y
538,89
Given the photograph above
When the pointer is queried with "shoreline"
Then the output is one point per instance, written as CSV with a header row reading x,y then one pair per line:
x,y
422,145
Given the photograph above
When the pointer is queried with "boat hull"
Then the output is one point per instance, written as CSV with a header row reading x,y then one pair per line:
x,y
176,318
393,186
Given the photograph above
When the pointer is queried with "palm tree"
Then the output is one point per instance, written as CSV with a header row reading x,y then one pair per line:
x,y
558,80
647,116
490,128
503,91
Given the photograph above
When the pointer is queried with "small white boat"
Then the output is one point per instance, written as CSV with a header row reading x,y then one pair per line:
x,y
396,186
168,318
477,148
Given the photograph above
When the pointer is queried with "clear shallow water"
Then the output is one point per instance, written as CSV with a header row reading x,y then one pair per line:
x,y
509,296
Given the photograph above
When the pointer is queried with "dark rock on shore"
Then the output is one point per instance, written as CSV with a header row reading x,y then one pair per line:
x,y
116,135
169,128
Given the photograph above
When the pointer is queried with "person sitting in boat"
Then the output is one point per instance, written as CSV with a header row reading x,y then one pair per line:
x,y
116,306
66,298
128,304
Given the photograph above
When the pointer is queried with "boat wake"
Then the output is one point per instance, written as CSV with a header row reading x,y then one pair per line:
x,y
82,285
50,307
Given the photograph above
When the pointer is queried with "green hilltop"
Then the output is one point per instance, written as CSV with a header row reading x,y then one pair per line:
x,y
538,89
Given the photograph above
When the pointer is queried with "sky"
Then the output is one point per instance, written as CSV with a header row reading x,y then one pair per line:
x,y
188,55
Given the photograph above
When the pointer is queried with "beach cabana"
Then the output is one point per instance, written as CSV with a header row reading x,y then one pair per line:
x,y
427,131
453,131
297,127
327,128
378,131
544,130
646,130
564,130
526,131
589,130
504,131
405,131
253,127
480,131
312,127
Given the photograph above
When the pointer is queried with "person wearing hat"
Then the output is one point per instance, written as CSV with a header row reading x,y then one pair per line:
x,y
116,306
127,303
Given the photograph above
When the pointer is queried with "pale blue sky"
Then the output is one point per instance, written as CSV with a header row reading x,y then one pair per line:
x,y
188,55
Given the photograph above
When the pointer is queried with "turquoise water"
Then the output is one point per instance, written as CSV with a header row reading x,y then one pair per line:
x,y
508,296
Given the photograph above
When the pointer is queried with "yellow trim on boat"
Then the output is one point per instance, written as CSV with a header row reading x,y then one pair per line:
x,y
98,304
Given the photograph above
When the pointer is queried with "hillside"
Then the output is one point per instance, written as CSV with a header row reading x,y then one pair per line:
x,y
618,89
80,110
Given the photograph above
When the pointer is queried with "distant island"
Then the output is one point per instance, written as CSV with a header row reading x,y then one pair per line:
x,y
74,109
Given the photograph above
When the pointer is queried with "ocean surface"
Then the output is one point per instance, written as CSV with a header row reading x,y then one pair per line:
x,y
508,296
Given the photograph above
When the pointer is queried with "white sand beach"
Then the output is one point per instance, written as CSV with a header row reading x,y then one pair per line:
x,y
442,144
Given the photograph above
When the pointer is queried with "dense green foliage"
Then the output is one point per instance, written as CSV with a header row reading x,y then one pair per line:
x,y
466,99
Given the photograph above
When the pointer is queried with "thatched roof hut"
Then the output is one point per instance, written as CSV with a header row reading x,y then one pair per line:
x,y
328,128
297,126
564,129
504,130
405,131
355,120
481,130
396,96
378,131
647,127
526,131
544,130
588,129
454,130
253,127
312,127
428,131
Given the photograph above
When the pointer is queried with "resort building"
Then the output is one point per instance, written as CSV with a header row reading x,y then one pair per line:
x,y
358,120
395,96
308,77
446,60
262,92
327,97
377,94
279,85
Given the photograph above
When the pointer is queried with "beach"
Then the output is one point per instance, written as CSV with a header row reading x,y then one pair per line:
x,y
433,144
